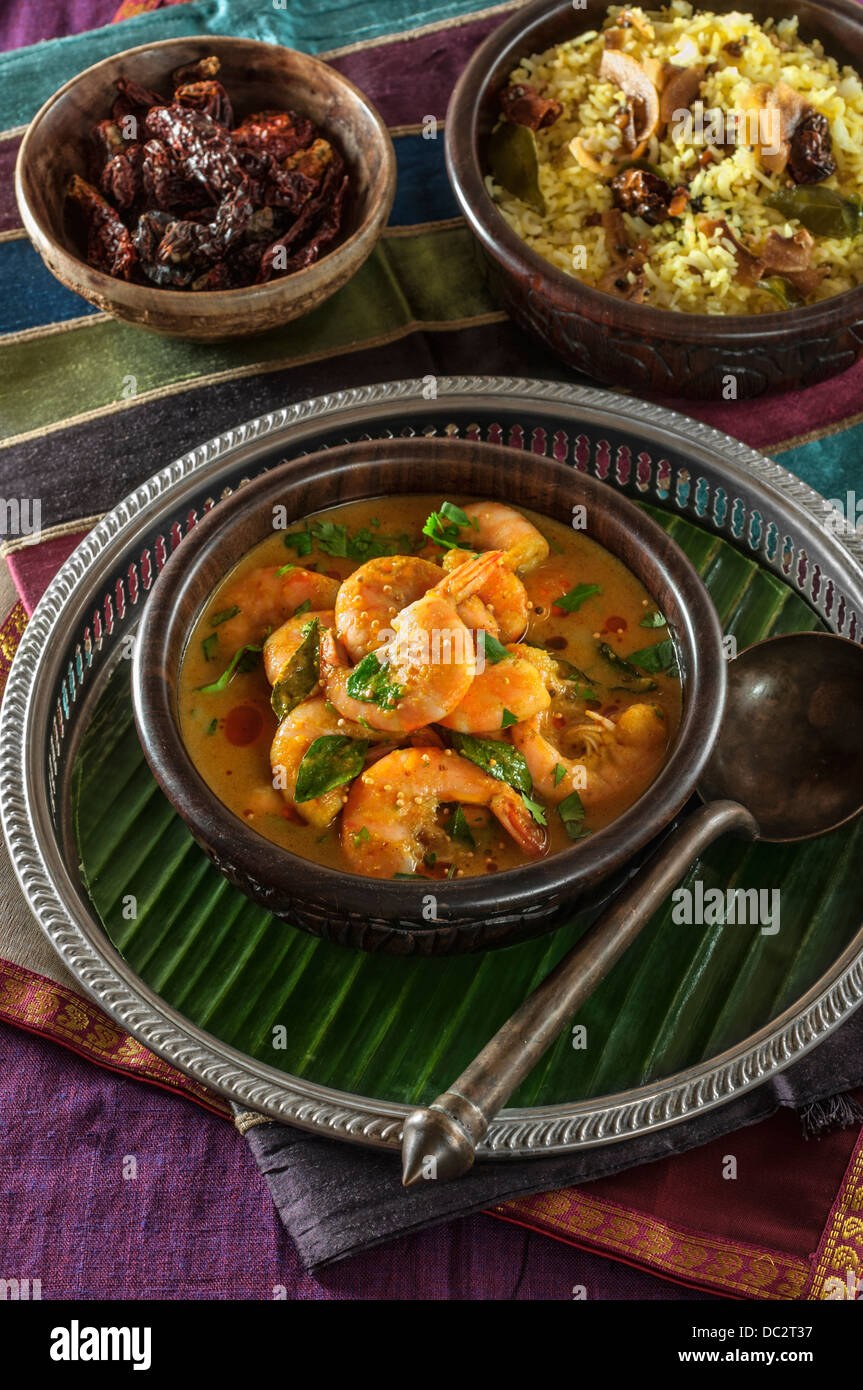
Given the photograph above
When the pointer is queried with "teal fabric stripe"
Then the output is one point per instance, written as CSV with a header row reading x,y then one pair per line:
x,y
28,76
832,465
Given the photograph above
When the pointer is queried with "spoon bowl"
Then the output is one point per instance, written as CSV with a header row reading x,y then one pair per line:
x,y
791,744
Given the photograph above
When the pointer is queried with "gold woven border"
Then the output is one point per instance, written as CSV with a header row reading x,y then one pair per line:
x,y
723,1265
42,1006
838,1272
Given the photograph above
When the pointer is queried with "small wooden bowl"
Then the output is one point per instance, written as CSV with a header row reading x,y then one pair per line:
x,y
387,914
636,345
257,76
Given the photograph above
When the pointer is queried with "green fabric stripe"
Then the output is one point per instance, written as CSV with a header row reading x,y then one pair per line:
x,y
29,76
48,379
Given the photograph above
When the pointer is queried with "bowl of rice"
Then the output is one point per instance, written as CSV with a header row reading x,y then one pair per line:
x,y
672,199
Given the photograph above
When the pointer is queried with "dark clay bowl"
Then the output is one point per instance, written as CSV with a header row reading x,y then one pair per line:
x,y
473,913
635,345
257,76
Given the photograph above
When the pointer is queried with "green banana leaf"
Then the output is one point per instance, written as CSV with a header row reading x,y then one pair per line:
x,y
402,1029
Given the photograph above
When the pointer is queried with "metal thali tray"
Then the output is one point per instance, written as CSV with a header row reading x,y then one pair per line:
x,y
80,633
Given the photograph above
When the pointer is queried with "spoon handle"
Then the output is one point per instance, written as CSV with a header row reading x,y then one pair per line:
x,y
440,1140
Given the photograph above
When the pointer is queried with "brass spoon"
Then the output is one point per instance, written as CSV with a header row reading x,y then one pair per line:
x,y
788,765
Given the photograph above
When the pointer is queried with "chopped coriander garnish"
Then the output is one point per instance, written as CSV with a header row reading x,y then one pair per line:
x,y
493,650
210,645
218,618
361,836
443,527
559,774
508,719
370,682
652,620
302,607
284,569
535,810
244,659
212,726
571,812
300,541
459,828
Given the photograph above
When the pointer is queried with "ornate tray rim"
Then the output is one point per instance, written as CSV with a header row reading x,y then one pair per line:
x,y
59,907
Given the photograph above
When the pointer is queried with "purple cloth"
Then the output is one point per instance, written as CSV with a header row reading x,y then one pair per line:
x,y
198,1222
22,23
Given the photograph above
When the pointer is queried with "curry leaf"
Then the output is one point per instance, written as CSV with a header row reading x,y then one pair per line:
x,y
636,682
661,658
299,675
571,602
331,760
498,759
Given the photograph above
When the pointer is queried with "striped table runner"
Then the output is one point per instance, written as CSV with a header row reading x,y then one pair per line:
x,y
89,408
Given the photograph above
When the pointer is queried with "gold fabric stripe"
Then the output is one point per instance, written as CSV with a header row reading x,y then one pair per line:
x,y
839,1269
249,1119
384,40
710,1261
824,432
48,330
50,533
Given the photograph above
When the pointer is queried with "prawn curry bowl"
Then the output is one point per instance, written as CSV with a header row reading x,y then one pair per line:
x,y
407,715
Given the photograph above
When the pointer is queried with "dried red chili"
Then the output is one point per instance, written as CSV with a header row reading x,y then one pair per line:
x,y
109,244
191,203
121,179
198,71
209,97
278,133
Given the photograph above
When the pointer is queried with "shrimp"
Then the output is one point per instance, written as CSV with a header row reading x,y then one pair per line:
x,y
389,817
293,738
266,597
511,686
426,670
496,527
370,598
544,663
281,644
614,755
503,594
